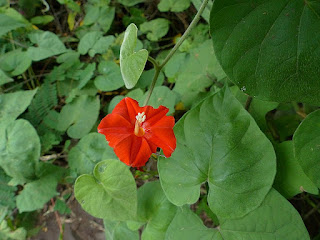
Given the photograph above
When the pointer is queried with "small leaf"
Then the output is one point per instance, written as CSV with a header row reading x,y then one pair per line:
x,y
79,116
111,78
90,150
307,144
155,29
4,78
94,43
48,45
290,179
119,231
130,3
10,110
86,74
219,142
15,62
131,63
19,150
173,5
42,20
9,23
110,193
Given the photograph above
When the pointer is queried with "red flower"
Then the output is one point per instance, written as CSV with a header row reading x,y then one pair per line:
x,y
135,132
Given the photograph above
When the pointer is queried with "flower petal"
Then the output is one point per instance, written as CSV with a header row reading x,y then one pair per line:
x,y
162,135
133,151
128,108
154,115
115,128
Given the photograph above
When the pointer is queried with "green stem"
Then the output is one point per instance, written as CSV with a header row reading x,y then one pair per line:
x,y
158,67
248,103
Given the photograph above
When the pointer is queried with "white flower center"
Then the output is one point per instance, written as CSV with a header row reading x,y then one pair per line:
x,y
141,117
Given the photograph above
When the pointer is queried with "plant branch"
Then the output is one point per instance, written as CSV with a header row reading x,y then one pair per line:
x,y
158,67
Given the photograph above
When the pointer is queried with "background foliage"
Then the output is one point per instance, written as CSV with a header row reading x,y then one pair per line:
x,y
243,88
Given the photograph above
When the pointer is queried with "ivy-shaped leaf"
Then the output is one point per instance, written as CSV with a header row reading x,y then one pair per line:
x,y
110,193
219,142
274,219
173,5
111,78
94,43
15,62
270,48
131,63
155,29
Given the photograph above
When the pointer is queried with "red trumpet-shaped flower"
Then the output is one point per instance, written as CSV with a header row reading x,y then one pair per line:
x,y
135,132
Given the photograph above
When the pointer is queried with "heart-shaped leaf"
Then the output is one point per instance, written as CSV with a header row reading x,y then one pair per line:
x,y
269,48
274,219
306,142
219,142
110,193
131,63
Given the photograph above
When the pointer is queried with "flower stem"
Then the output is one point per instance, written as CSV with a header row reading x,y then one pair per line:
x,y
158,67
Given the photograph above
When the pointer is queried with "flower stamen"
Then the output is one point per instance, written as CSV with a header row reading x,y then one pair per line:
x,y
138,130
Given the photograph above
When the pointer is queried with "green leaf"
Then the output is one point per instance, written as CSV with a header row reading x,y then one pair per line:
x,y
6,233
12,106
290,179
173,5
306,142
86,74
79,116
155,210
42,20
163,96
111,78
7,193
131,63
9,23
155,29
187,225
146,79
15,62
100,17
90,150
274,219
48,45
4,78
219,142
110,193
258,108
130,3
37,193
119,231
19,150
270,48
94,43
198,72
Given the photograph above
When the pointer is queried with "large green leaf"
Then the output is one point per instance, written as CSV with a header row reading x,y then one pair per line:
x,y
110,193
219,142
12,106
155,210
79,116
131,63
99,15
306,142
155,29
90,150
111,78
48,45
173,5
290,179
269,48
19,150
274,219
